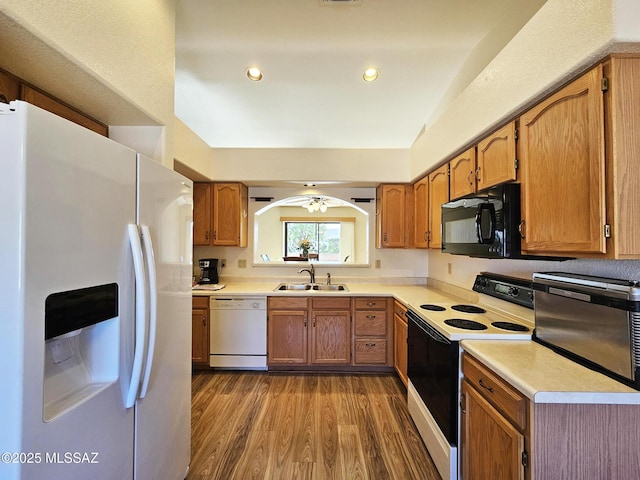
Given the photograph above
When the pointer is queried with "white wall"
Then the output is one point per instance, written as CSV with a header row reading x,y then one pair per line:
x,y
113,60
300,164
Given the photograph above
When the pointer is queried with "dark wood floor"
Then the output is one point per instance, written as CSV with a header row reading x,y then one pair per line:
x,y
259,425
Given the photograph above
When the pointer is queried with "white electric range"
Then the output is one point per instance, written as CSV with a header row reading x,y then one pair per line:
x,y
434,366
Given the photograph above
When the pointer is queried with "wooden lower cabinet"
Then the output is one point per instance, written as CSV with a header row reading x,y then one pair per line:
x,y
309,331
507,436
491,446
330,337
371,330
400,331
200,332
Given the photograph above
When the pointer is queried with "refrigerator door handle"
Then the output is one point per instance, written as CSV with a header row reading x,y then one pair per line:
x,y
147,245
141,313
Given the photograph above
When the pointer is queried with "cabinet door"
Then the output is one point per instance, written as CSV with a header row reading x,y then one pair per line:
x,y
287,337
491,447
201,213
462,179
200,336
421,213
438,194
400,350
229,214
496,158
391,212
562,157
330,337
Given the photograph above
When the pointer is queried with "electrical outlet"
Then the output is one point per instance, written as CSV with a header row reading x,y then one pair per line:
x,y
377,263
242,263
223,263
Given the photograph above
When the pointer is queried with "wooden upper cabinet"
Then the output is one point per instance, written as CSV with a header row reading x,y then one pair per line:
x,y
496,158
421,213
462,179
394,224
202,214
622,120
46,102
9,87
563,170
220,212
13,88
438,194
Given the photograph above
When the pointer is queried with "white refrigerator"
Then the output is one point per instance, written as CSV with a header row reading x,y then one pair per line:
x,y
95,306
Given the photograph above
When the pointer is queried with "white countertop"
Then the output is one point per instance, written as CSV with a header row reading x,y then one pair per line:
x,y
407,294
546,377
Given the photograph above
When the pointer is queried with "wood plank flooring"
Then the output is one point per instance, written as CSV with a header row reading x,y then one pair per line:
x,y
266,425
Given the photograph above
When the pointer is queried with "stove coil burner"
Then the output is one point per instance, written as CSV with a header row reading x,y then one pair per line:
x,y
465,324
514,327
468,309
432,307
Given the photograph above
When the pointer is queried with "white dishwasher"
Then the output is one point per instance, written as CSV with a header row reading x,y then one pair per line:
x,y
238,332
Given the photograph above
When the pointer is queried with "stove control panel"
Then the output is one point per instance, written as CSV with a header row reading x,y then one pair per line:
x,y
511,289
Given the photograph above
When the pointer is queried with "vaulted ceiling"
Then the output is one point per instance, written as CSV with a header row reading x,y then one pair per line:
x,y
313,53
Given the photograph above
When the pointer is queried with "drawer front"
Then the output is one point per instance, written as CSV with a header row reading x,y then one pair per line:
x,y
333,303
372,322
200,301
370,350
499,393
371,303
399,309
287,302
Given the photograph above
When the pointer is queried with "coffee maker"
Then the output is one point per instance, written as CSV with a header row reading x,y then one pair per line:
x,y
209,268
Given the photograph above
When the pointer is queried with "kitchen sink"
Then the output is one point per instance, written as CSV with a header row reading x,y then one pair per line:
x,y
293,286
333,287
337,287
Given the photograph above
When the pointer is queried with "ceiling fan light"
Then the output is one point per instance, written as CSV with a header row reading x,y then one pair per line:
x,y
254,74
323,207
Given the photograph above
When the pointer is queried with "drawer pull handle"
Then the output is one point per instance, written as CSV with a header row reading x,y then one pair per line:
x,y
370,344
482,384
371,304
371,316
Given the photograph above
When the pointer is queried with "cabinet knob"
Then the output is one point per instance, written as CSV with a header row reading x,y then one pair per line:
x,y
371,304
371,316
370,344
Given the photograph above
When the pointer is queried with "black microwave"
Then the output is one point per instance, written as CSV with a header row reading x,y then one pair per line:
x,y
484,224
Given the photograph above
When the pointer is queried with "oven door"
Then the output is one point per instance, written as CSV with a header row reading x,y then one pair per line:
x,y
432,367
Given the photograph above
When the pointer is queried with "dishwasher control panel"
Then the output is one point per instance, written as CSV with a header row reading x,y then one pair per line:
x,y
238,303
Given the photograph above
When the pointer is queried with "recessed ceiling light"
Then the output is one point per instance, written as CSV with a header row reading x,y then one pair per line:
x,y
309,184
370,74
254,73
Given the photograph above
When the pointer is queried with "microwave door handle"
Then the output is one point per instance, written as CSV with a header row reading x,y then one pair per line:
x,y
482,239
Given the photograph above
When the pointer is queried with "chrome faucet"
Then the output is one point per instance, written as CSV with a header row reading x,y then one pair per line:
x,y
311,272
